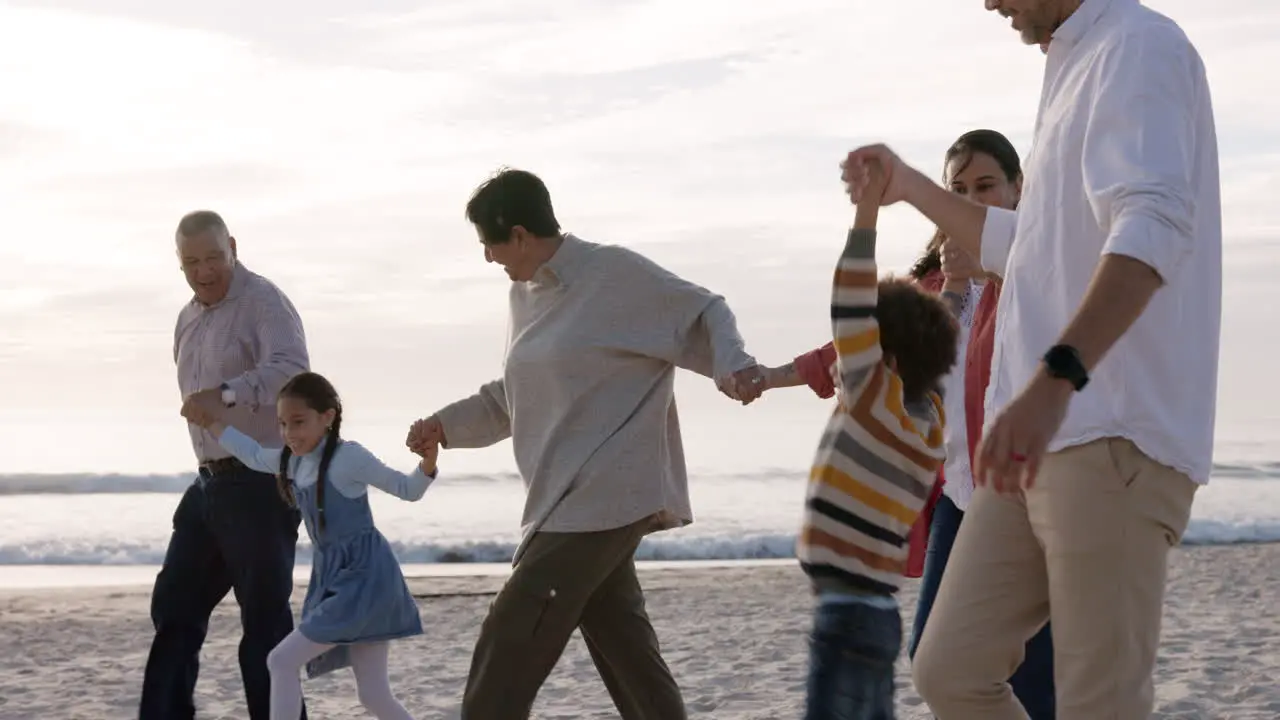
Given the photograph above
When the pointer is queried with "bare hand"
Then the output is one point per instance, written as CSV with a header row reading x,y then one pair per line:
x,y
425,436
958,264
745,385
874,170
430,453
202,409
1009,456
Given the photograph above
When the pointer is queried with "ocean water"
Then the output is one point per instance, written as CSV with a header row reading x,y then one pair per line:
x,y
114,528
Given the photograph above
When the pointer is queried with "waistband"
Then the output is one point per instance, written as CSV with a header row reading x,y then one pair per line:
x,y
213,468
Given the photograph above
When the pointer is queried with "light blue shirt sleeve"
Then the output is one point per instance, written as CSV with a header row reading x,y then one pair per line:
x,y
354,467
248,451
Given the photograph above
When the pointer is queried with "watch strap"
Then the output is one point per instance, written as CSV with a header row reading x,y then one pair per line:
x,y
1063,362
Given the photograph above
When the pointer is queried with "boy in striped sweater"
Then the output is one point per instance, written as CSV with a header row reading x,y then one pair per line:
x,y
875,465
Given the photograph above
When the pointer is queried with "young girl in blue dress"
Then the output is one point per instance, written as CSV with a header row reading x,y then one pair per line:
x,y
357,600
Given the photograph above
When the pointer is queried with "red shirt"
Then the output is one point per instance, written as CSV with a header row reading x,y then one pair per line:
x,y
977,363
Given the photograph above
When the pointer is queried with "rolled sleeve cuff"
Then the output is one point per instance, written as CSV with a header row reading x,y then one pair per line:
x,y
814,370
1149,240
997,239
733,361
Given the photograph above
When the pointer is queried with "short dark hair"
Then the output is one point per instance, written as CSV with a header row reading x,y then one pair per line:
x,y
918,332
511,198
987,142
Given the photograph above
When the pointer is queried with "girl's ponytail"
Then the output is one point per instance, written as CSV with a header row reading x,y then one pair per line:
x,y
330,446
284,485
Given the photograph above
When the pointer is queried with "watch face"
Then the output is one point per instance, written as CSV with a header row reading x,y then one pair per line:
x,y
1063,362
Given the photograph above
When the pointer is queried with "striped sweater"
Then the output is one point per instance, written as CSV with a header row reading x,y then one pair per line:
x,y
877,459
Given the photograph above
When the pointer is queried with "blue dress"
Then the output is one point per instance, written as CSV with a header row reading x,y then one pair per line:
x,y
357,592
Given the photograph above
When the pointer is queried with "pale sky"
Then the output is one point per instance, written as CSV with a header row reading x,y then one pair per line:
x,y
341,146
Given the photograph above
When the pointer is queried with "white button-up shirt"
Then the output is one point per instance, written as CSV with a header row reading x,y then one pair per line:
x,y
1124,161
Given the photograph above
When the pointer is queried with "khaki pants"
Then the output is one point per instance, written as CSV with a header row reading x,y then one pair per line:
x,y
562,582
1088,547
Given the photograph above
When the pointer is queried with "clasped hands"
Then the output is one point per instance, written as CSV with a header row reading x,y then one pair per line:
x,y
425,437
1014,443
745,385
203,408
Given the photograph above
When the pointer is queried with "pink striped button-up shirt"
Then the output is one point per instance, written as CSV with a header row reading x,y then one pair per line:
x,y
253,341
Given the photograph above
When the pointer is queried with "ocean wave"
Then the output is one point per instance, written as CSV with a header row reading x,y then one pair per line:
x,y
751,547
656,547
90,483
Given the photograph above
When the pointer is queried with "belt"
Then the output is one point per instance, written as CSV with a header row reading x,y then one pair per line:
x,y
221,465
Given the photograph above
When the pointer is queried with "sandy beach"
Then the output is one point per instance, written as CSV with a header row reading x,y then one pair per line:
x,y
735,637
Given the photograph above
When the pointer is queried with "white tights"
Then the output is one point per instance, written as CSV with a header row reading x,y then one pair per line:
x,y
368,662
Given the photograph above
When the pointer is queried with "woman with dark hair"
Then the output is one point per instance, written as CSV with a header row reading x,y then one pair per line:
x,y
985,166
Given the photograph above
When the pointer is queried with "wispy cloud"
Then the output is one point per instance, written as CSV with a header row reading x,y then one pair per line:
x,y
341,143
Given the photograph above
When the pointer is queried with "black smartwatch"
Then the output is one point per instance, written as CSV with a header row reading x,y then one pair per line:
x,y
1063,362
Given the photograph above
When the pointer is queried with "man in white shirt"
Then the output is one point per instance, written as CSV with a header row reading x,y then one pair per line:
x,y
1103,385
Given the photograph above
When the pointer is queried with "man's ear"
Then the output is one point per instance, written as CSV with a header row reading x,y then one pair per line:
x,y
232,242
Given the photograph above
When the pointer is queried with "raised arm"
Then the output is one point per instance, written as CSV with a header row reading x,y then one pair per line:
x,y
854,294
355,465
855,289
986,233
247,450
478,421
281,349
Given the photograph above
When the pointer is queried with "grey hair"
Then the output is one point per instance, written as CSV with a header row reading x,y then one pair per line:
x,y
201,221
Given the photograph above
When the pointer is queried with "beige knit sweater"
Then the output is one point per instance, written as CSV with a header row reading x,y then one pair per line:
x,y
587,390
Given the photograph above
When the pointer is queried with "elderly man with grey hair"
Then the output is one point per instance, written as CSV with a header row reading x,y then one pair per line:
x,y
237,341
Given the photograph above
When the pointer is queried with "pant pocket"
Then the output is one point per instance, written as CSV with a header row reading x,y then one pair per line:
x,y
520,612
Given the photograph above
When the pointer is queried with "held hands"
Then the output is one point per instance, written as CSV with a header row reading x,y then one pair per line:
x,y
745,385
202,408
959,265
424,439
430,454
425,432
875,172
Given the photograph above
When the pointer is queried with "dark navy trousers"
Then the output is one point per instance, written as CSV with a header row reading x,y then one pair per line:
x,y
231,532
